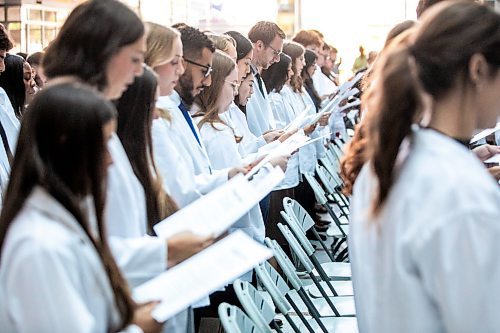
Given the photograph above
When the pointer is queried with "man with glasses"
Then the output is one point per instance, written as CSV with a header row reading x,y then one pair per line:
x,y
198,53
267,39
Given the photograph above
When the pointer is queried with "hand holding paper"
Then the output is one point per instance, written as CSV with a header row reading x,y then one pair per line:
x,y
201,274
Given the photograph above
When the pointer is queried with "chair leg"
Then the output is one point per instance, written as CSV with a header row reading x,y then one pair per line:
x,y
335,218
323,245
301,316
312,309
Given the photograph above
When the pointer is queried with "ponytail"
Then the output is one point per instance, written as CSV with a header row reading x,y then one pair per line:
x,y
395,106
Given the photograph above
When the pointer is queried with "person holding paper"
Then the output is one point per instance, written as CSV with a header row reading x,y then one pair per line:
x,y
276,77
299,100
197,54
57,273
236,114
424,232
110,69
221,145
267,40
219,139
135,115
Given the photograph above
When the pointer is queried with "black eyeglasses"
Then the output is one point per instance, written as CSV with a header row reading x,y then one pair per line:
x,y
208,68
276,52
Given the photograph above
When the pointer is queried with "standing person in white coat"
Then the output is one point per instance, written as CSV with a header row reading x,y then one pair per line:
x,y
135,115
221,145
57,273
276,77
9,124
424,238
267,39
110,68
299,100
236,116
197,52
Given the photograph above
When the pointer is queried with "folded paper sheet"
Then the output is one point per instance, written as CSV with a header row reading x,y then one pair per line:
x,y
485,133
198,276
215,212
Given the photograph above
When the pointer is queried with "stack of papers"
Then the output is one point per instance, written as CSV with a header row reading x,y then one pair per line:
x,y
203,273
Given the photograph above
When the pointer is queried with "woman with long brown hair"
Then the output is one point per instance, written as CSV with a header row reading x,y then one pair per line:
x,y
424,238
57,273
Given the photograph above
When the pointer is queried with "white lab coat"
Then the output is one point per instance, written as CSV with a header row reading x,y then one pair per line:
x,y
178,179
299,101
11,126
222,150
51,277
249,143
140,256
430,261
322,84
284,114
194,154
259,114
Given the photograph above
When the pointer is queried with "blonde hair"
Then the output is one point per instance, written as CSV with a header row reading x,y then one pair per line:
x,y
159,44
222,42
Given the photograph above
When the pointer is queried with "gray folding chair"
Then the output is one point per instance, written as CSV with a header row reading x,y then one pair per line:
x,y
333,190
327,270
235,321
280,293
319,289
323,201
304,221
255,306
327,306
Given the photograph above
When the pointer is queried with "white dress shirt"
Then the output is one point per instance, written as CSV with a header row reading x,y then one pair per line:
x,y
429,262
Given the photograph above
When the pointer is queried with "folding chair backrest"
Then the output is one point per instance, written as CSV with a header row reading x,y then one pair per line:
x,y
328,164
295,247
299,233
275,286
326,178
293,208
288,270
235,321
255,306
319,193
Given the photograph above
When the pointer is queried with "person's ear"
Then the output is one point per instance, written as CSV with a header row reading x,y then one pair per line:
x,y
478,70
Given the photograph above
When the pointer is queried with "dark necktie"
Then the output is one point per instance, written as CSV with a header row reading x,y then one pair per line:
x,y
6,144
185,113
259,83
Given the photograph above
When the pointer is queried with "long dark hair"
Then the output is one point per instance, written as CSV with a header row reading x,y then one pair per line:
x,y
276,75
243,44
310,58
12,81
431,59
135,116
90,36
61,148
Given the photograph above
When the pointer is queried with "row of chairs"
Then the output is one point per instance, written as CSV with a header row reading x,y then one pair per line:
x,y
327,304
